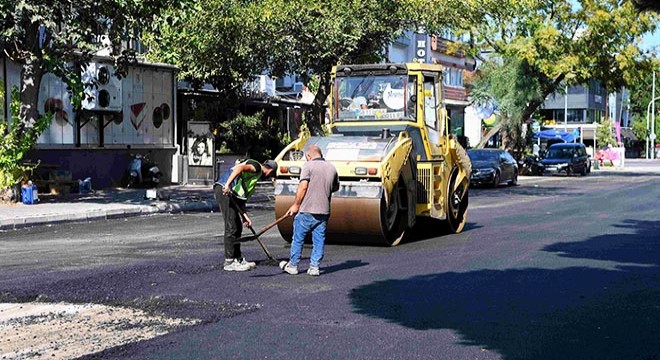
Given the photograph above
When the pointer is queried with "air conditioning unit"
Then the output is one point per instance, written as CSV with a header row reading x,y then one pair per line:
x,y
102,88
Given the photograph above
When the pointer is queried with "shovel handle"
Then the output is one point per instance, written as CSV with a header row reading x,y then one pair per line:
x,y
269,226
242,213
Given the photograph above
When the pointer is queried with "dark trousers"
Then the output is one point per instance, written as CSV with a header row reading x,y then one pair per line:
x,y
233,223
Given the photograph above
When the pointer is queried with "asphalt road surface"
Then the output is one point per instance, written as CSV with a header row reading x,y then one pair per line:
x,y
555,268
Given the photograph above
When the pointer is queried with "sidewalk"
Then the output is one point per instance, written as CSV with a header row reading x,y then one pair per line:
x,y
631,166
119,203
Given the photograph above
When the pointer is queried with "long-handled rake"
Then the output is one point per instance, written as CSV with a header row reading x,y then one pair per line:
x,y
255,235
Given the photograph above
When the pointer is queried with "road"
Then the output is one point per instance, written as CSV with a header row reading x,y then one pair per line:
x,y
555,268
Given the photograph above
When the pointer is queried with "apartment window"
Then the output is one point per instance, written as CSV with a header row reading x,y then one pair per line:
x,y
574,116
453,77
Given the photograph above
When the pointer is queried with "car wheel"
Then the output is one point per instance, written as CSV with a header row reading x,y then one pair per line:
x,y
496,180
584,170
569,171
514,179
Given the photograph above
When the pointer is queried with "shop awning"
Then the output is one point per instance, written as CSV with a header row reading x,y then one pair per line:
x,y
554,134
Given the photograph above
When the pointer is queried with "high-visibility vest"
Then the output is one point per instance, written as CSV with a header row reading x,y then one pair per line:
x,y
245,183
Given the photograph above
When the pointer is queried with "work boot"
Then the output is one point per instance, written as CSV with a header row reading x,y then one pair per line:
x,y
235,265
313,271
250,264
288,268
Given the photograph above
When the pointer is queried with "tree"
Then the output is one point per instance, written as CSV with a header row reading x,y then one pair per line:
x,y
252,136
562,43
640,98
652,5
605,134
61,37
218,42
506,82
241,39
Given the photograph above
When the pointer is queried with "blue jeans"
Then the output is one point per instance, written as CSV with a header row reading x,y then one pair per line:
x,y
303,224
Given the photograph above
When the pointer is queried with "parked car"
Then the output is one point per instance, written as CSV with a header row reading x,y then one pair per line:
x,y
492,167
568,158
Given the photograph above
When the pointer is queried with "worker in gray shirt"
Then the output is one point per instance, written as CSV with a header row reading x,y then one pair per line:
x,y
318,180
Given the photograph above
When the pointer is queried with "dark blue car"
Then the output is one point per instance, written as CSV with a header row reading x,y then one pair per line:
x,y
567,158
492,167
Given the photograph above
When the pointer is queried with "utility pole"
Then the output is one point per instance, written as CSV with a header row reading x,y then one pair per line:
x,y
653,121
566,110
648,132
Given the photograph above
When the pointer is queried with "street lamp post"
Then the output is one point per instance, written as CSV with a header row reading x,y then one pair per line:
x,y
650,136
566,110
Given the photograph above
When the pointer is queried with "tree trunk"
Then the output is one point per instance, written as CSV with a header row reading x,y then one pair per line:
x,y
494,130
31,75
315,122
527,113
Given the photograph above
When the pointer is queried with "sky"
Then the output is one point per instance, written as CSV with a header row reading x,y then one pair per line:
x,y
651,40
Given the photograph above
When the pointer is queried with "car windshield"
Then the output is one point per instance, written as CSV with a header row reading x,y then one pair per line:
x,y
559,153
482,155
380,97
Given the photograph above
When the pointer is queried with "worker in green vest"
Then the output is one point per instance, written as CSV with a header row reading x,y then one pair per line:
x,y
239,183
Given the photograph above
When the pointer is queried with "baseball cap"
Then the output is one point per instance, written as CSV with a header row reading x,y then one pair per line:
x,y
271,164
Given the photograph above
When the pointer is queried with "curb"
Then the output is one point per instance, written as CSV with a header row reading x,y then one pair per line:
x,y
118,213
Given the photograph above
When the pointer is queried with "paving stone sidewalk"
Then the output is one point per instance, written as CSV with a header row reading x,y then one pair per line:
x,y
118,203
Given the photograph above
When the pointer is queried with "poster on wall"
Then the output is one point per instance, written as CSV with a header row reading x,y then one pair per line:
x,y
200,144
199,149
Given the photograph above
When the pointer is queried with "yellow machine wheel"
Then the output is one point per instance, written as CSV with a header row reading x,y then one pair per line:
x,y
457,202
394,216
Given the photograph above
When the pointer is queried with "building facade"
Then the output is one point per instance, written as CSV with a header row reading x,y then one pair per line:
x,y
119,118
579,110
422,47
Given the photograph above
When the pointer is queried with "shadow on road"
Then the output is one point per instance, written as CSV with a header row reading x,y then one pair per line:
x,y
350,264
608,311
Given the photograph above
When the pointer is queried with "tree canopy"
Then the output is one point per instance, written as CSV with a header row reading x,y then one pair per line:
x,y
225,42
564,42
653,5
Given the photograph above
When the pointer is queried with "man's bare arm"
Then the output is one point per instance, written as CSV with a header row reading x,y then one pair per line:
x,y
300,195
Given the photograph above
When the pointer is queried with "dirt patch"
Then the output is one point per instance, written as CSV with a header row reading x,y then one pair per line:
x,y
64,331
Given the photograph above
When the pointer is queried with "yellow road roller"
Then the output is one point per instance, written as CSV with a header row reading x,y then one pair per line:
x,y
389,140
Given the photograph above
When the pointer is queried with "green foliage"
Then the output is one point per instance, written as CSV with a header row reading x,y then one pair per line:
x,y
14,144
638,126
641,93
506,83
252,136
225,42
605,134
561,42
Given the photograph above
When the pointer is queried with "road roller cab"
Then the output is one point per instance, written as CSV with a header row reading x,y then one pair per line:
x,y
395,159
